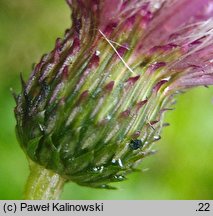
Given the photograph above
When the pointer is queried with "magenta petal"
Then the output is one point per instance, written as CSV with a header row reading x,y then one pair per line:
x,y
182,25
110,11
105,11
174,15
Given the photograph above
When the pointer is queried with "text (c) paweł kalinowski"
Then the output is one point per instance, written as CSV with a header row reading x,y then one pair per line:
x,y
61,207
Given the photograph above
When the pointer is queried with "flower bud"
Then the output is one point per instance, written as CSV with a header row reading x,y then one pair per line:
x,y
94,105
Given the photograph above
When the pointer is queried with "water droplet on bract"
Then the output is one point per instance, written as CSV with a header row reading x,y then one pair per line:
x,y
98,169
135,144
95,169
104,186
146,143
97,52
118,161
41,127
108,117
113,161
157,137
119,177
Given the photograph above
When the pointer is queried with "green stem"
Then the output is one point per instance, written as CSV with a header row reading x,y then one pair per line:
x,y
43,184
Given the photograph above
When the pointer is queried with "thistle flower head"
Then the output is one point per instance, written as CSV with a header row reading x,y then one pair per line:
x,y
94,105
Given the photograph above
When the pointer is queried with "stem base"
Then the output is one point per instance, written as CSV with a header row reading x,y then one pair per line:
x,y
43,184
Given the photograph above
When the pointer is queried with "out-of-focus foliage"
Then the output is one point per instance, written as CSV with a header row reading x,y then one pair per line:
x,y
182,168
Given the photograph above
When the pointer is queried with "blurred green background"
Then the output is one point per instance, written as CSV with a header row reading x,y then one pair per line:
x,y
182,168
